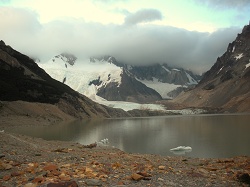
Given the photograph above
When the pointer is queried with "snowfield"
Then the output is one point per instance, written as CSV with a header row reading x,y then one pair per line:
x,y
79,76
162,88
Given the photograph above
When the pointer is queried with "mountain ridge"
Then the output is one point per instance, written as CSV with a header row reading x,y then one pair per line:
x,y
22,79
146,84
226,84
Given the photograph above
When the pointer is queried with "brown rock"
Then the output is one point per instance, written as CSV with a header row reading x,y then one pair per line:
x,y
5,166
50,167
38,180
90,145
162,167
6,177
55,173
136,177
30,185
120,183
15,174
64,178
63,184
61,150
144,174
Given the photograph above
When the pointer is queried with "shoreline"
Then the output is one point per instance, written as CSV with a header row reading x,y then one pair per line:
x,y
27,161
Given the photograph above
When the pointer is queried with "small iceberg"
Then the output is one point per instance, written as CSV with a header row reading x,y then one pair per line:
x,y
181,150
105,141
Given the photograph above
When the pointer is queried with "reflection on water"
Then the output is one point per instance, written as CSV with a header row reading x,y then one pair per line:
x,y
208,135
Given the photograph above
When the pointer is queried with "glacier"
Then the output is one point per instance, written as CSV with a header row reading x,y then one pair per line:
x,y
79,75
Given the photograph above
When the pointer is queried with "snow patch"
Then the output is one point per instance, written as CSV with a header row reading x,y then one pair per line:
x,y
239,56
233,49
130,67
176,69
191,80
167,70
247,65
220,70
162,88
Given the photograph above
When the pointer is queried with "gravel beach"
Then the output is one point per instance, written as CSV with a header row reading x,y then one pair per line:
x,y
27,161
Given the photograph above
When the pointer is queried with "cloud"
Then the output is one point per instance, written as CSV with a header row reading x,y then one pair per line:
x,y
143,16
225,4
108,1
5,1
140,45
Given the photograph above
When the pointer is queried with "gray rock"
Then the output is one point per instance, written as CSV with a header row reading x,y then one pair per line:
x,y
93,182
2,155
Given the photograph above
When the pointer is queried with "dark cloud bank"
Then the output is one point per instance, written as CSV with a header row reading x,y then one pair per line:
x,y
132,42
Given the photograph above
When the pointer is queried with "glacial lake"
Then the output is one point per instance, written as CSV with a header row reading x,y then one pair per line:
x,y
209,136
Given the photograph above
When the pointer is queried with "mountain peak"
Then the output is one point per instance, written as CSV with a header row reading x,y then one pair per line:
x,y
67,57
107,58
2,42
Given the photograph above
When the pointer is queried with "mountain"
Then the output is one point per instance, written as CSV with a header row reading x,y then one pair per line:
x,y
103,77
167,81
22,79
226,84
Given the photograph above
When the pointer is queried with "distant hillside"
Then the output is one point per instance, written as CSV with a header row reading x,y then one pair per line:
x,y
227,84
22,79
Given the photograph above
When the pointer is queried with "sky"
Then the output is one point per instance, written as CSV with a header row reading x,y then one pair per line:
x,y
182,33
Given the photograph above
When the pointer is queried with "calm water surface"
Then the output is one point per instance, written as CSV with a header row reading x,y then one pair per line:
x,y
210,136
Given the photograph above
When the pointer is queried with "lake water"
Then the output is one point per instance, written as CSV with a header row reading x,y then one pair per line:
x,y
210,136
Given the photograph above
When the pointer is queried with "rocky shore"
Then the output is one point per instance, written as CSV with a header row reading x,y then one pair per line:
x,y
30,162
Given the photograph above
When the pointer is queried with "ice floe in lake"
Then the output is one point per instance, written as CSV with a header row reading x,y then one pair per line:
x,y
181,150
103,142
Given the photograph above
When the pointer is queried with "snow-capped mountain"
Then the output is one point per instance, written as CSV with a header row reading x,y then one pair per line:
x,y
23,81
167,81
103,77
226,84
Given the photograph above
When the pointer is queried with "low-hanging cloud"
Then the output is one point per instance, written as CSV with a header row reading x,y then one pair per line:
x,y
141,45
143,16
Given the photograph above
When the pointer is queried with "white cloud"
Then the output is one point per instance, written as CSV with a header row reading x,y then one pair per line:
x,y
141,44
143,16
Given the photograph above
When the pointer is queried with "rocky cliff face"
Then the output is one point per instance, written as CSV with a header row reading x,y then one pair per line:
x,y
22,79
129,90
164,74
167,81
226,84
